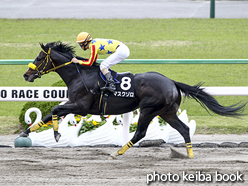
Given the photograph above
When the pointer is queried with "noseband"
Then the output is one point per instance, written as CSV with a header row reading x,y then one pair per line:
x,y
45,62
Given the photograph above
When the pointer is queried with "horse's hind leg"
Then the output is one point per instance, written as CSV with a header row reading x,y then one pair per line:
x,y
143,124
183,129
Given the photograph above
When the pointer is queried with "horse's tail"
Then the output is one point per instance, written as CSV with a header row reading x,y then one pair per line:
x,y
209,102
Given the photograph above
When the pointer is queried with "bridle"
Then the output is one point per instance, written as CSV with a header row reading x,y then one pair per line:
x,y
45,62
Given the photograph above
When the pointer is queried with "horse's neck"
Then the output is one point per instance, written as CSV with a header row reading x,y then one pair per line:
x,y
70,74
66,76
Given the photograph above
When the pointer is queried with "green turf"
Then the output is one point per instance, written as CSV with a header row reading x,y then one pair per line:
x,y
146,38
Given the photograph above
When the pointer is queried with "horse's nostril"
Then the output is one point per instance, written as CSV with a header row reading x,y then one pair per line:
x,y
25,76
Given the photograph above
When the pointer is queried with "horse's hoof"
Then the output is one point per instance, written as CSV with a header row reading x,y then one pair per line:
x,y
57,136
23,134
111,158
191,156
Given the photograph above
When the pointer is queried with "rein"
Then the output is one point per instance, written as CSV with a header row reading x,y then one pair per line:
x,y
82,78
45,61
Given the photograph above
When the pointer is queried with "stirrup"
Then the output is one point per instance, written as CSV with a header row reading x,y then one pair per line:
x,y
107,88
103,89
110,89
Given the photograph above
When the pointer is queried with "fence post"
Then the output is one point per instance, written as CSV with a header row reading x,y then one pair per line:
x,y
212,8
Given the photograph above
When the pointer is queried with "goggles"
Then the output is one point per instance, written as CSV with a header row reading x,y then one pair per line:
x,y
84,44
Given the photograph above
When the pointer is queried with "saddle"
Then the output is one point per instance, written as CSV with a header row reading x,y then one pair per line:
x,y
124,83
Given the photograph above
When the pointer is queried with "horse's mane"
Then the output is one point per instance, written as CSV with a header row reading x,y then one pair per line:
x,y
68,51
62,48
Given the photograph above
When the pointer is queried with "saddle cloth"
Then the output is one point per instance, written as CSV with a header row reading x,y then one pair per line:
x,y
124,83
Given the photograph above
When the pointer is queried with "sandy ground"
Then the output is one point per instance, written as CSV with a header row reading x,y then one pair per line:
x,y
90,165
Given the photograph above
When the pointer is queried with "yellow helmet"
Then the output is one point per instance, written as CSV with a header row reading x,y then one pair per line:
x,y
83,36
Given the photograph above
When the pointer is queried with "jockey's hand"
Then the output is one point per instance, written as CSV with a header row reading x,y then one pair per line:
x,y
75,60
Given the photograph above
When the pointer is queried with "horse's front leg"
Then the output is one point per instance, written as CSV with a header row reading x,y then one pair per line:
x,y
57,111
62,110
36,126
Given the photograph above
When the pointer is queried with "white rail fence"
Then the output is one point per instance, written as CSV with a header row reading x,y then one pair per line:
x,y
61,93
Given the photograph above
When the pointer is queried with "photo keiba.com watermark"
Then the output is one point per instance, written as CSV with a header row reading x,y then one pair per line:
x,y
198,176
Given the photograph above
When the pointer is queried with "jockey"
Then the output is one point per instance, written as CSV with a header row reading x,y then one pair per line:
x,y
117,49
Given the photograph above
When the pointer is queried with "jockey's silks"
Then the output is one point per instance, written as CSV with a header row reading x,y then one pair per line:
x,y
100,46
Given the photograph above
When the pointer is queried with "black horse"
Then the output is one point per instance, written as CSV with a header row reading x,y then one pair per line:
x,y
154,94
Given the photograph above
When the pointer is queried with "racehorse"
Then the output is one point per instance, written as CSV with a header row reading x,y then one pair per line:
x,y
154,94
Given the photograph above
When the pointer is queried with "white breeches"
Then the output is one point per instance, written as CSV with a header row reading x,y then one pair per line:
x,y
121,53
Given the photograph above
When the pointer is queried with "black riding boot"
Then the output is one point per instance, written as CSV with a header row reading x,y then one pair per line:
x,y
110,85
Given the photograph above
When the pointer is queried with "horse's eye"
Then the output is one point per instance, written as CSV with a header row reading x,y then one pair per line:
x,y
38,59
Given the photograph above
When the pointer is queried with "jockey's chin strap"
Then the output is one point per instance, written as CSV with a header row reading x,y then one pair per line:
x,y
45,62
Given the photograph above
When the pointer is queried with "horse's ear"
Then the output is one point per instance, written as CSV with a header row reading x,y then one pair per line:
x,y
43,46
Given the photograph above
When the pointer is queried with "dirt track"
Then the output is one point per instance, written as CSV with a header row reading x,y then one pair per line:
x,y
90,166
